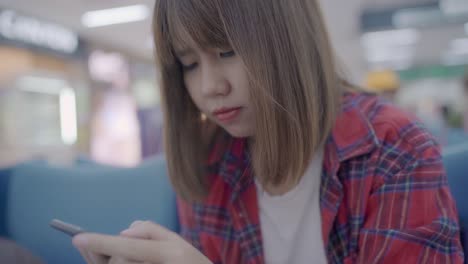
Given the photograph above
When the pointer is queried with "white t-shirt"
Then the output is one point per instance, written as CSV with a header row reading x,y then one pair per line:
x,y
291,223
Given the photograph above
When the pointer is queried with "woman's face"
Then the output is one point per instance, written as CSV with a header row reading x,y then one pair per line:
x,y
218,85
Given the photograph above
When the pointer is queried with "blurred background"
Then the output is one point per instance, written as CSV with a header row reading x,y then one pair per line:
x,y
77,78
80,118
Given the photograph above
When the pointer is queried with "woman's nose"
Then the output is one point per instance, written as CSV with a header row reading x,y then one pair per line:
x,y
214,82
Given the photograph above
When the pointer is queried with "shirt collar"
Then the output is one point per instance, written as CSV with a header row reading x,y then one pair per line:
x,y
351,136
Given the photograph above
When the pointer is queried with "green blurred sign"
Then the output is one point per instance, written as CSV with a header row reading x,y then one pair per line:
x,y
437,71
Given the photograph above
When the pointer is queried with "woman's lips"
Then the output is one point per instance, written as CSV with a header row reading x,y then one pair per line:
x,y
226,115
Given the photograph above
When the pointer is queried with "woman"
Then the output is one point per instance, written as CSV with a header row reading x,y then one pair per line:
x,y
274,157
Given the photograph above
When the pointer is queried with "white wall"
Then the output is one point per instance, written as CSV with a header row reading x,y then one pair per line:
x,y
342,19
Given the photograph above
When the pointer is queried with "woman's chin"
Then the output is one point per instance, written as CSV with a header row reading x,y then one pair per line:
x,y
238,132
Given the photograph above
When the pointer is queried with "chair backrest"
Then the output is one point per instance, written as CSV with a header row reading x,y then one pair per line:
x,y
98,198
10,252
456,164
4,185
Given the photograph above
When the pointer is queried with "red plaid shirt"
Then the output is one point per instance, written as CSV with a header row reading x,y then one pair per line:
x,y
383,198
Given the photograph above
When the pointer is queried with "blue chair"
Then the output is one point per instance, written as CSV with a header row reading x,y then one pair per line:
x,y
106,199
99,198
4,184
456,164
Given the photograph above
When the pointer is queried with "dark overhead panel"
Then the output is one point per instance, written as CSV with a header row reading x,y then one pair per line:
x,y
426,14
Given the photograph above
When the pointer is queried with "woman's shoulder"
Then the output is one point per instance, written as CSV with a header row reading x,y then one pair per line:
x,y
389,124
389,142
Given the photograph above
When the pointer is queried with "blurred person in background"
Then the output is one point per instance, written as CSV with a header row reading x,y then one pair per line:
x,y
275,157
115,130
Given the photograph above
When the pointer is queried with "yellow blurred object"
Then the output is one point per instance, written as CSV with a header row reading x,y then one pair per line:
x,y
16,62
382,81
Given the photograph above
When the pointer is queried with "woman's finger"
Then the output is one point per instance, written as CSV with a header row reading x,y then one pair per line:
x,y
91,258
86,256
136,223
148,230
128,248
99,259
118,260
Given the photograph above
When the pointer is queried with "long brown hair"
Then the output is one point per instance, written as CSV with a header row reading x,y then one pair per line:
x,y
294,85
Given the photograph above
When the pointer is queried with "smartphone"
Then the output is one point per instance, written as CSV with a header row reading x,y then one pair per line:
x,y
66,228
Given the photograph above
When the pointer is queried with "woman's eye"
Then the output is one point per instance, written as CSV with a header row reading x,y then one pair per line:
x,y
227,54
189,67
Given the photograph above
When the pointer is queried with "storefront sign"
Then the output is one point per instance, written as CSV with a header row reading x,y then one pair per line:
x,y
18,28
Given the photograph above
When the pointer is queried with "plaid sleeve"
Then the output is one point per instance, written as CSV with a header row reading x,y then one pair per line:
x,y
410,216
188,227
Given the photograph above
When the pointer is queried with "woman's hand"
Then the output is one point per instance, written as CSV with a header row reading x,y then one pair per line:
x,y
143,242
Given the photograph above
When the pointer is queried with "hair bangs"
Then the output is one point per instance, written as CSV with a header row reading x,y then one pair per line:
x,y
195,22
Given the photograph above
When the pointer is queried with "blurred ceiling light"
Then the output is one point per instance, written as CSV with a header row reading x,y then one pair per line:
x,y
68,116
389,53
112,16
400,37
44,85
390,57
402,65
392,65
